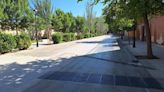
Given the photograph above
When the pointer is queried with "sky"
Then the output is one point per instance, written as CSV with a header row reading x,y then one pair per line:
x,y
77,9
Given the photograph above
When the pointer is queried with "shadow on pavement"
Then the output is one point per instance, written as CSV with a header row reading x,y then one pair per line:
x,y
15,77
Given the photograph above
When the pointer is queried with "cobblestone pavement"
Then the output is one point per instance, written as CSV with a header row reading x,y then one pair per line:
x,y
89,65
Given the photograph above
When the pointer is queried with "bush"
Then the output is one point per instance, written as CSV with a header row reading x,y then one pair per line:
x,y
73,36
7,43
23,41
57,38
67,37
86,35
93,35
80,36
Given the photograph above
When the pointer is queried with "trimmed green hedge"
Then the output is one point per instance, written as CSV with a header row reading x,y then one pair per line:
x,y
67,37
87,35
7,43
93,35
23,41
73,36
57,38
80,36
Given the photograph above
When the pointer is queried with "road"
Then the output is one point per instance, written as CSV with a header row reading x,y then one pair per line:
x,y
90,65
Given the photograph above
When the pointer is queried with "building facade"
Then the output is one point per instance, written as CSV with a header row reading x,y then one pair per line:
x,y
156,27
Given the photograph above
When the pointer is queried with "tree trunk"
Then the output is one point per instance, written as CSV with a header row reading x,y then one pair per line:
x,y
128,38
121,35
16,29
148,37
143,34
134,38
49,35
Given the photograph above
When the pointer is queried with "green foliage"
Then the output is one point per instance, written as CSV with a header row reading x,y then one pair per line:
x,y
87,35
7,43
23,41
80,23
57,38
66,22
44,13
100,26
93,35
90,16
115,17
67,37
12,13
62,21
80,36
57,20
73,36
132,10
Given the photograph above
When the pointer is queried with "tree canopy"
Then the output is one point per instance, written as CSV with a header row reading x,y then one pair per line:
x,y
132,9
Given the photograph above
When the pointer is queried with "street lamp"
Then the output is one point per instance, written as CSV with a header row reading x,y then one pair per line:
x,y
37,43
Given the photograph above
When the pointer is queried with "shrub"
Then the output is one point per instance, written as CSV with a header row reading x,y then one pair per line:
x,y
86,35
73,36
80,36
23,41
57,38
67,37
7,43
93,35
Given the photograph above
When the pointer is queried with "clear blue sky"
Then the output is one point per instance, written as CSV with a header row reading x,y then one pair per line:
x,y
75,7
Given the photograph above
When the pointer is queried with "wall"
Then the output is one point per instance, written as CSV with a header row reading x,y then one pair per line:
x,y
157,30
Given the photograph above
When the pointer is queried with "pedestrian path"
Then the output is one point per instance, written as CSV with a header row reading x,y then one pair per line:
x,y
156,64
103,79
89,65
103,69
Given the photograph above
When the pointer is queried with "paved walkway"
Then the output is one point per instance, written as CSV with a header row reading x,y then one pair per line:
x,y
90,65
157,64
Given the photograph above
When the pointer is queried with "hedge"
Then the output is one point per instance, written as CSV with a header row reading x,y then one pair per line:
x,y
23,41
57,38
73,36
7,43
87,35
80,36
66,37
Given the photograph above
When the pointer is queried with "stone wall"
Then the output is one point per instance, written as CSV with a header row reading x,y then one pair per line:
x,y
157,30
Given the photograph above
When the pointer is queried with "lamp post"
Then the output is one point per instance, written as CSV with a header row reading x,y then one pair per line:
x,y
37,43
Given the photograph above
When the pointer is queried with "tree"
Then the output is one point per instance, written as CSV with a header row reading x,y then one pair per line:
x,y
100,26
27,16
116,19
1,12
57,20
67,22
90,17
12,13
140,9
44,12
144,9
80,23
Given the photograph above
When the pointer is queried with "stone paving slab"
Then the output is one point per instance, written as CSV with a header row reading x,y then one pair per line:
x,y
104,79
